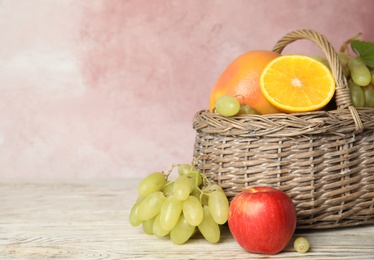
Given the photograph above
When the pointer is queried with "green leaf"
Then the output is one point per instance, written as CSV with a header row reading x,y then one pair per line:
x,y
365,50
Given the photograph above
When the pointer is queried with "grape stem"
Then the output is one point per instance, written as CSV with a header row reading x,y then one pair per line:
x,y
167,176
345,45
194,162
206,181
171,170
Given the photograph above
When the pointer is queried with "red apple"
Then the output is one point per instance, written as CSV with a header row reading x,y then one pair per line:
x,y
262,219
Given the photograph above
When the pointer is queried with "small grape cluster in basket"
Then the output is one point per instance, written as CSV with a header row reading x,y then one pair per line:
x,y
264,82
359,70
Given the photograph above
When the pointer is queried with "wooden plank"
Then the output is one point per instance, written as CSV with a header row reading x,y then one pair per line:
x,y
88,219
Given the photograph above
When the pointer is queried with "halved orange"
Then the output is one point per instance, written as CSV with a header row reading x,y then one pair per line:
x,y
297,83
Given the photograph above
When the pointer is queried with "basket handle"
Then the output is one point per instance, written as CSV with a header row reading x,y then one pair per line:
x,y
342,95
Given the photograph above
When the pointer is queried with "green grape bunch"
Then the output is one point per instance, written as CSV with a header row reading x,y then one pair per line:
x,y
180,208
357,59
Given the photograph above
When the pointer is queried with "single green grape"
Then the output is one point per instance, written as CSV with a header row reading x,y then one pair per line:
x,y
357,94
206,190
208,227
170,212
218,206
168,188
360,73
212,187
151,183
247,110
185,169
322,60
193,211
182,231
158,230
227,106
134,218
301,245
151,205
344,59
148,226
188,170
369,95
182,187
195,178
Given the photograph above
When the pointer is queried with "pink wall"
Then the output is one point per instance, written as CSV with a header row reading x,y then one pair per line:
x,y
108,88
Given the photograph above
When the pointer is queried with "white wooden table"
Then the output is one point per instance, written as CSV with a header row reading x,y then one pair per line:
x,y
89,220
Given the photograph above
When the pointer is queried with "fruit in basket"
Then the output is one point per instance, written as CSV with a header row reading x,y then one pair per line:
x,y
240,80
262,219
246,109
322,60
227,106
357,94
297,83
360,73
179,208
369,95
360,70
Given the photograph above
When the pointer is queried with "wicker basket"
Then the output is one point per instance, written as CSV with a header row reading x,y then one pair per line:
x,y
323,160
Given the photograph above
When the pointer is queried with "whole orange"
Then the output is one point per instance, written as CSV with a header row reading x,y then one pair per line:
x,y
241,79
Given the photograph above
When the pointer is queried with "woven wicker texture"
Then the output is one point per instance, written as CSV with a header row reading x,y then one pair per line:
x,y
323,160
